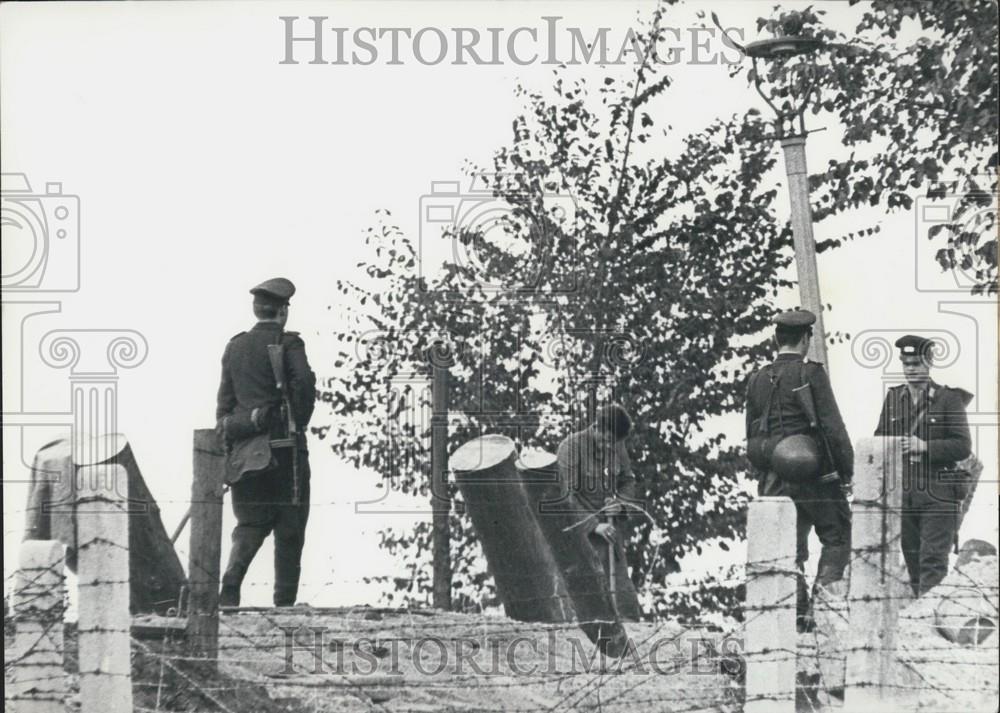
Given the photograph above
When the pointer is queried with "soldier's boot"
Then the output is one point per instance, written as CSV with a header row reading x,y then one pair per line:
x,y
832,565
909,540
246,541
229,596
937,533
803,606
287,569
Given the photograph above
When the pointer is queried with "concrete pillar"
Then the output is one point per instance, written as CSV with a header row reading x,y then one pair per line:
x,y
805,245
875,574
770,606
103,575
39,684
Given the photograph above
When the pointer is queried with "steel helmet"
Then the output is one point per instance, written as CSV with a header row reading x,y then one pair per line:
x,y
796,458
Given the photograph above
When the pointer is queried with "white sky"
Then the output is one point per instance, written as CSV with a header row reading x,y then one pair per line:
x,y
204,166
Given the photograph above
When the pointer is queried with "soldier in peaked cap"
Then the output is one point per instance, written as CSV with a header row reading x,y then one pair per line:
x,y
932,421
798,446
249,415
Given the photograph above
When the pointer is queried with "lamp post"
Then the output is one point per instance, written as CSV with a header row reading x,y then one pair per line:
x,y
791,132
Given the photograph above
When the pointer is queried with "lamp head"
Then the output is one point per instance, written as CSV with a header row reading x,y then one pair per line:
x,y
783,47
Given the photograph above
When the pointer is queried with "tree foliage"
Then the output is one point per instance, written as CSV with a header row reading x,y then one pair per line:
x,y
613,272
915,88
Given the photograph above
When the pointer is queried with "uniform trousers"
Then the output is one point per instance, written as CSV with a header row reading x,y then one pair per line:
x,y
823,507
928,526
262,504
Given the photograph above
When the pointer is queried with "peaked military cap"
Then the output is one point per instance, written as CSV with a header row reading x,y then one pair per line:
x,y
277,289
795,319
913,345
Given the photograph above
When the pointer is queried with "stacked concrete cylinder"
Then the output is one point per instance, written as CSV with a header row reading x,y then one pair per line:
x,y
541,562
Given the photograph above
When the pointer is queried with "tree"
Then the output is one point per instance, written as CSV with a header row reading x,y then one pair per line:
x,y
650,286
925,113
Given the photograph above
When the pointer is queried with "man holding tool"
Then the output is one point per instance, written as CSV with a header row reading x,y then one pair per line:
x,y
594,466
264,404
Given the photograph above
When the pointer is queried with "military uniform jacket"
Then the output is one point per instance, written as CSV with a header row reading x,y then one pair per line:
x,y
786,416
938,418
248,381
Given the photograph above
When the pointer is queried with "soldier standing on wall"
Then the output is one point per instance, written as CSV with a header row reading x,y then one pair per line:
x,y
931,419
799,447
263,407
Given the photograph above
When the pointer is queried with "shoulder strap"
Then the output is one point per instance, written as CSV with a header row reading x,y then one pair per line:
x,y
919,413
765,413
823,439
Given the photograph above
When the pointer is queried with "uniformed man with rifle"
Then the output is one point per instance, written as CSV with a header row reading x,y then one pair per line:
x,y
264,404
798,447
932,421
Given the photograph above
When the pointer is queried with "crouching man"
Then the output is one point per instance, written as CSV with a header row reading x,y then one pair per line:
x,y
594,468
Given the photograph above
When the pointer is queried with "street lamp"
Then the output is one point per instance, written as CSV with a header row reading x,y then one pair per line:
x,y
790,130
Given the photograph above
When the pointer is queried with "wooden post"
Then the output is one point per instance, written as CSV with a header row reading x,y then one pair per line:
x,y
204,557
39,684
770,606
103,578
873,598
440,500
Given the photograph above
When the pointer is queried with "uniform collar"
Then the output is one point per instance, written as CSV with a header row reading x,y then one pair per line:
x,y
789,356
267,326
927,390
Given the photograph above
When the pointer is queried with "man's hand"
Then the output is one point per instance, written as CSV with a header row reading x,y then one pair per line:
x,y
848,490
607,531
613,507
914,446
259,417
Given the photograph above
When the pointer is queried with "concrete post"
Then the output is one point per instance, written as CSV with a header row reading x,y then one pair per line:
x,y
39,684
875,571
103,575
805,245
770,606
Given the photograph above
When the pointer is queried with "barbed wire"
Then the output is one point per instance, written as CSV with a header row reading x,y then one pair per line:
x,y
603,689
